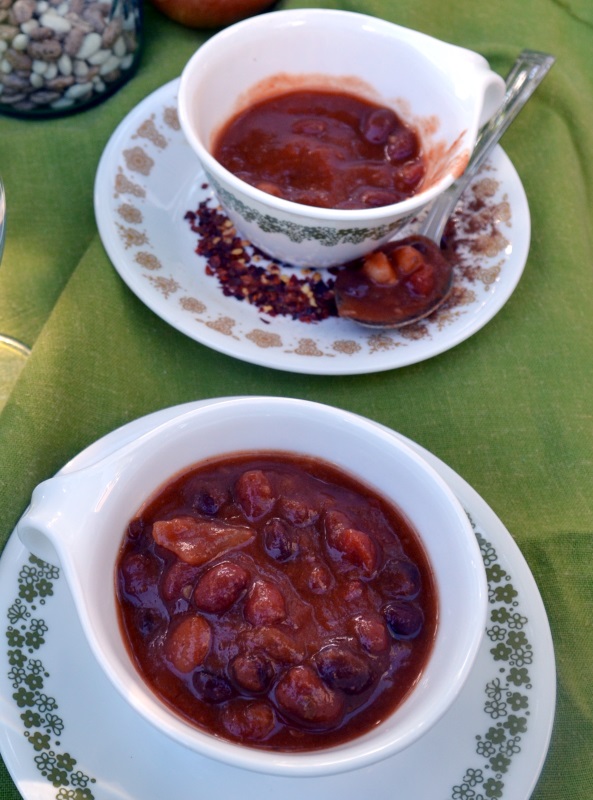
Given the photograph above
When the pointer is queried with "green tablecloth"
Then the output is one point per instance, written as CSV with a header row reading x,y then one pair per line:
x,y
510,409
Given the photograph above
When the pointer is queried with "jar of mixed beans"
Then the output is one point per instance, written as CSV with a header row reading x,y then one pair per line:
x,y
60,56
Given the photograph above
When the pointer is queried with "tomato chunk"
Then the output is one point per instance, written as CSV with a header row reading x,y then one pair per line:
x,y
198,541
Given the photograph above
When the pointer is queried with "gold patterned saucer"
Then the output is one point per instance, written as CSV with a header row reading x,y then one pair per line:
x,y
147,182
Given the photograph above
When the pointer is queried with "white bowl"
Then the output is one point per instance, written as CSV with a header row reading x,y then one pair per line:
x,y
445,92
78,520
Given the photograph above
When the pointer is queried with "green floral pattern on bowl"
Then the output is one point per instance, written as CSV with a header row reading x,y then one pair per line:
x,y
326,237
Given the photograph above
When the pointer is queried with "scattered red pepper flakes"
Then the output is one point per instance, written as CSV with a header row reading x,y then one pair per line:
x,y
234,262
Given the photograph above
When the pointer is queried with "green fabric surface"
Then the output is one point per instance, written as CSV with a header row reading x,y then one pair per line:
x,y
510,409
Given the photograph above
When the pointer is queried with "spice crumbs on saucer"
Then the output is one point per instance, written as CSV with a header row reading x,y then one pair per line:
x,y
302,295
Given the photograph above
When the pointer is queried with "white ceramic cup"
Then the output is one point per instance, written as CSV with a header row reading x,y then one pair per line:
x,y
445,92
78,519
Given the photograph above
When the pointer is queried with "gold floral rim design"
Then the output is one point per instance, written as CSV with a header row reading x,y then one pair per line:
x,y
149,149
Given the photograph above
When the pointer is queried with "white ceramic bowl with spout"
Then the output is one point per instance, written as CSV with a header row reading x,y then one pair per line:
x,y
78,519
445,92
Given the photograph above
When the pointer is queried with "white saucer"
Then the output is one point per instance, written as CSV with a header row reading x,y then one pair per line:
x,y
148,178
66,734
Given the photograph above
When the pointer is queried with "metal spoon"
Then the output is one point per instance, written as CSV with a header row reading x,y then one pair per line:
x,y
527,73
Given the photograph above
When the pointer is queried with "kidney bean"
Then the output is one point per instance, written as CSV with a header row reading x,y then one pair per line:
x,y
209,500
401,145
312,197
279,540
212,687
265,604
353,545
140,573
335,521
178,581
254,494
342,668
353,591
320,579
297,511
422,281
377,125
301,694
409,176
188,643
148,621
197,541
135,529
249,721
269,188
220,587
371,632
277,644
253,672
371,197
405,620
400,577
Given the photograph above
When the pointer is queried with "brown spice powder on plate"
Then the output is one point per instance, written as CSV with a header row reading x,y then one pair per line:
x,y
234,262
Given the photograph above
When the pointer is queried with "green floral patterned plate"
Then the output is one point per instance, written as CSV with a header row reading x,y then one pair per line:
x,y
65,734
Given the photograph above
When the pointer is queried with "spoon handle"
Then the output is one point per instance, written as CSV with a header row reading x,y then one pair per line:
x,y
528,71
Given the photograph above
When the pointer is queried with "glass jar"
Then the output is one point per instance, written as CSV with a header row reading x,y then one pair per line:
x,y
60,56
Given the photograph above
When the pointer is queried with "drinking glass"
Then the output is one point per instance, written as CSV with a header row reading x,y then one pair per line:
x,y
12,352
